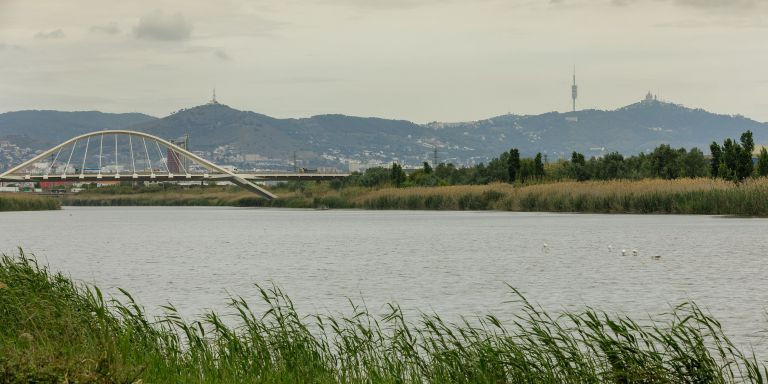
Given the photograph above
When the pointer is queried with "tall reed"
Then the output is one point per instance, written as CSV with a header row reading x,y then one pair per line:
x,y
26,202
52,329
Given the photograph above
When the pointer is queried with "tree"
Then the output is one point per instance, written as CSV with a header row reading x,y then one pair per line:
x,y
694,164
577,168
613,167
538,166
714,162
665,162
527,169
578,158
762,162
372,177
745,167
397,175
513,164
734,159
427,168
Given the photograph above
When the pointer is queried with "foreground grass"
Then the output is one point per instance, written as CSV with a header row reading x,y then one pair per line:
x,y
26,202
683,196
53,330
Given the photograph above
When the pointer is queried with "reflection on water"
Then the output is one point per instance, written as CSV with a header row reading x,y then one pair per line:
x,y
453,263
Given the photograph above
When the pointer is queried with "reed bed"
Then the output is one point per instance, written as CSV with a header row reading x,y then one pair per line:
x,y
26,202
55,330
681,196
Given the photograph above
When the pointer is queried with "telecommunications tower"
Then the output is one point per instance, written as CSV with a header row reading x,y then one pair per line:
x,y
574,89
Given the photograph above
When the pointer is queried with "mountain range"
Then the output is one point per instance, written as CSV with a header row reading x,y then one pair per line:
x,y
338,139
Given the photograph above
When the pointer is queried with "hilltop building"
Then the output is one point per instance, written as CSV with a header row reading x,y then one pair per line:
x,y
650,97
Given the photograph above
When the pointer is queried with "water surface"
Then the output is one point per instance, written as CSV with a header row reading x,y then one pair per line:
x,y
453,263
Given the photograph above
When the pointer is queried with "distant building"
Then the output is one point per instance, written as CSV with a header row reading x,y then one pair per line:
x,y
177,163
649,97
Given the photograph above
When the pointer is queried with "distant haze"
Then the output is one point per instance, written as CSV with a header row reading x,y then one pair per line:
x,y
423,60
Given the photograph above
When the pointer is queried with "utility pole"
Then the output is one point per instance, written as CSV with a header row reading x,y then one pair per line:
x,y
434,157
295,168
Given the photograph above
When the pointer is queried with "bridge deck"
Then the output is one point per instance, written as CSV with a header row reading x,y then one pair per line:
x,y
174,177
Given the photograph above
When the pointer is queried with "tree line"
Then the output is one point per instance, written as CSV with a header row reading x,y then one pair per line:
x,y
730,160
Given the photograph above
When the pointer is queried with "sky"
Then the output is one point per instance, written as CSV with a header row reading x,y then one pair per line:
x,y
420,60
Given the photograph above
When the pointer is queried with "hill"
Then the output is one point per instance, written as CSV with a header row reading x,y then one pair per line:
x,y
44,129
232,136
319,140
633,129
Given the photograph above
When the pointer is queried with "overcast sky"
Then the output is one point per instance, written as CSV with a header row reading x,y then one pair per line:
x,y
422,60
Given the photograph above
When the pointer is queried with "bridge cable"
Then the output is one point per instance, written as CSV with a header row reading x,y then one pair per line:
x,y
151,171
53,162
130,143
117,173
161,158
101,151
85,156
64,172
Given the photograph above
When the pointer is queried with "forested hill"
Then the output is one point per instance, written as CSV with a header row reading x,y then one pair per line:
x,y
636,128
329,139
213,125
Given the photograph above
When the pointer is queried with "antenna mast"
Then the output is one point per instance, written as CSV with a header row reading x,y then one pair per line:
x,y
574,89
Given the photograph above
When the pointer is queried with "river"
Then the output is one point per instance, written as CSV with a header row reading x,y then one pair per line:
x,y
452,263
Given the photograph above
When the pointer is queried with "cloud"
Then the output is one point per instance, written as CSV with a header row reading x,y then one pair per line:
x,y
732,4
55,34
386,4
109,29
221,54
4,46
159,26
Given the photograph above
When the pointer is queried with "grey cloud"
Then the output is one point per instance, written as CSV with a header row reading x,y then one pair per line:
x,y
221,54
55,34
159,26
4,46
386,4
737,4
308,79
703,4
109,29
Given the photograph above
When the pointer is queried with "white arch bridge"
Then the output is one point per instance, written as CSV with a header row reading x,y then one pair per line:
x,y
121,155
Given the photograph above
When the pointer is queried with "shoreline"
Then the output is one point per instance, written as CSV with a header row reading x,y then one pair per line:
x,y
650,196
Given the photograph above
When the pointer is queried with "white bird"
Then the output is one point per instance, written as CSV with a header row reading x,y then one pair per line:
x,y
623,252
634,252
545,248
610,248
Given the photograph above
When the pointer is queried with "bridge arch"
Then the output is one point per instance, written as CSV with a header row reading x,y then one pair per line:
x,y
222,173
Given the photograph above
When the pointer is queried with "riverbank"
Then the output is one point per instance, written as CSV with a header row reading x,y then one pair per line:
x,y
681,196
27,202
56,330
